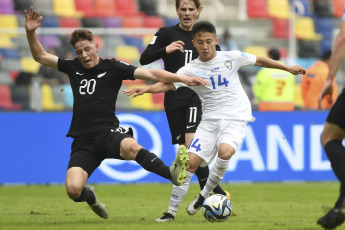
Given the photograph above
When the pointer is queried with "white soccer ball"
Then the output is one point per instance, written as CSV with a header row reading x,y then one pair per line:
x,y
216,208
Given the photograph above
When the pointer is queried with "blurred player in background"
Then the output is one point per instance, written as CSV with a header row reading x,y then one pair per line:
x,y
334,132
95,83
226,108
182,107
313,81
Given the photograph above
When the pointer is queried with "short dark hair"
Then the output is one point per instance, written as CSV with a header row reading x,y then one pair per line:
x,y
326,55
80,35
274,54
203,26
197,3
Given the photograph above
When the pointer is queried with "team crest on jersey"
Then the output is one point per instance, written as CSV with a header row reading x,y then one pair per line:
x,y
228,64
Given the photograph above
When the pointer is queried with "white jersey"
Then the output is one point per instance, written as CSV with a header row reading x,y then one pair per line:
x,y
224,97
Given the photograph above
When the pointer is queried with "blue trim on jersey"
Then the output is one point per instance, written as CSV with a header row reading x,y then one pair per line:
x,y
124,63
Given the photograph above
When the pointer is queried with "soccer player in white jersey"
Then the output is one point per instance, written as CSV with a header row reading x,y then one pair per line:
x,y
226,108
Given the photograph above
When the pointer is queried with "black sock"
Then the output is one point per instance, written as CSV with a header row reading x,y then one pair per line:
x,y
152,163
202,174
86,195
336,155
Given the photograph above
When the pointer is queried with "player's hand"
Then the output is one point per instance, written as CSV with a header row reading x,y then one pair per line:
x,y
32,20
296,69
194,81
327,89
178,45
134,92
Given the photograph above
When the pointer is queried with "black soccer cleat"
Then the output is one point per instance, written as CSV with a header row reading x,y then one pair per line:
x,y
332,219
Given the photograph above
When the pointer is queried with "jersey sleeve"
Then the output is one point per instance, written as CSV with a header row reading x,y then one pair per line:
x,y
243,58
156,48
125,70
67,65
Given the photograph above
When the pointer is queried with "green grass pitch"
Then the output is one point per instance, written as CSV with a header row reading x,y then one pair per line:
x,y
259,206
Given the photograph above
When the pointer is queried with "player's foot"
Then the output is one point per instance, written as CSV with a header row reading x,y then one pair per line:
x,y
227,195
195,205
98,207
332,219
167,217
178,168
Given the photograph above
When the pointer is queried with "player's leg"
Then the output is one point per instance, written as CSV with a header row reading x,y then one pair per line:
x,y
193,113
81,165
331,139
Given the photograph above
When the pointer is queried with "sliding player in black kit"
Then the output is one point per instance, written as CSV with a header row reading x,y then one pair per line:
x,y
182,107
95,129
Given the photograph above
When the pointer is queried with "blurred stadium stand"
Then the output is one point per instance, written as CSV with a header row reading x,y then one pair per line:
x,y
301,29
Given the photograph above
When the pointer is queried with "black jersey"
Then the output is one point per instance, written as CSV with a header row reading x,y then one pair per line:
x,y
95,92
172,62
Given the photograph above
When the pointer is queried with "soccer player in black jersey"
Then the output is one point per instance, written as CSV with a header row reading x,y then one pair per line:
x,y
95,84
333,132
182,107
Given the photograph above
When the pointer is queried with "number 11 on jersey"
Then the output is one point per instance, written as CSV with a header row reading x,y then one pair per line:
x,y
188,56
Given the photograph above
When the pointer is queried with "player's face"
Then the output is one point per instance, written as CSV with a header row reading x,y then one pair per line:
x,y
187,13
86,52
205,43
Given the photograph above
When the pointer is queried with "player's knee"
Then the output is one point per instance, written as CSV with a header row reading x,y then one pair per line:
x,y
129,149
73,191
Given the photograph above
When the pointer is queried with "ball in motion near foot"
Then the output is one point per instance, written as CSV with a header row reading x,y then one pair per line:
x,y
216,208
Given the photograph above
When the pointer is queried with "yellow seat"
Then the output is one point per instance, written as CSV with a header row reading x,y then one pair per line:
x,y
9,21
143,102
305,29
65,8
127,52
278,9
5,41
29,65
48,99
259,51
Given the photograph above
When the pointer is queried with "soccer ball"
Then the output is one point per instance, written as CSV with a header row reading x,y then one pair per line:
x,y
216,208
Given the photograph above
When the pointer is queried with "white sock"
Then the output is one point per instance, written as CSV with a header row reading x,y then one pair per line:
x,y
217,173
178,193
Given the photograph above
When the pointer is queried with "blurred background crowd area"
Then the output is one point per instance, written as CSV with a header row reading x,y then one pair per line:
x,y
301,30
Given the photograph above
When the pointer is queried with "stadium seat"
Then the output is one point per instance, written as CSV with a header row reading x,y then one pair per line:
x,y
85,6
256,50
171,21
7,7
45,7
127,52
322,8
323,25
144,102
48,99
65,8
9,53
305,29
11,64
134,41
6,41
281,28
29,65
20,95
9,21
257,9
50,40
158,100
50,21
308,49
92,22
127,7
105,8
338,8
278,9
69,22
112,22
6,102
153,22
21,5
133,21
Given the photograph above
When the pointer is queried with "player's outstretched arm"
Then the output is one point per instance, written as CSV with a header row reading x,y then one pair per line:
x,y
32,22
167,77
270,63
158,87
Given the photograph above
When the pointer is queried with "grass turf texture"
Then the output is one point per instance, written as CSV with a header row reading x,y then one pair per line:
x,y
265,206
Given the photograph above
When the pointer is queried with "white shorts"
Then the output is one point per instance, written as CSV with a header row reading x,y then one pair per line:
x,y
213,132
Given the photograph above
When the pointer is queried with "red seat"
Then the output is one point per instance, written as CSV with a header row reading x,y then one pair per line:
x,y
132,21
257,9
158,99
6,99
85,6
70,22
338,6
153,22
127,7
105,8
281,28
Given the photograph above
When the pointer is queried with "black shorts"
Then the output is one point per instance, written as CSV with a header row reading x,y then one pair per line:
x,y
183,120
337,113
89,152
